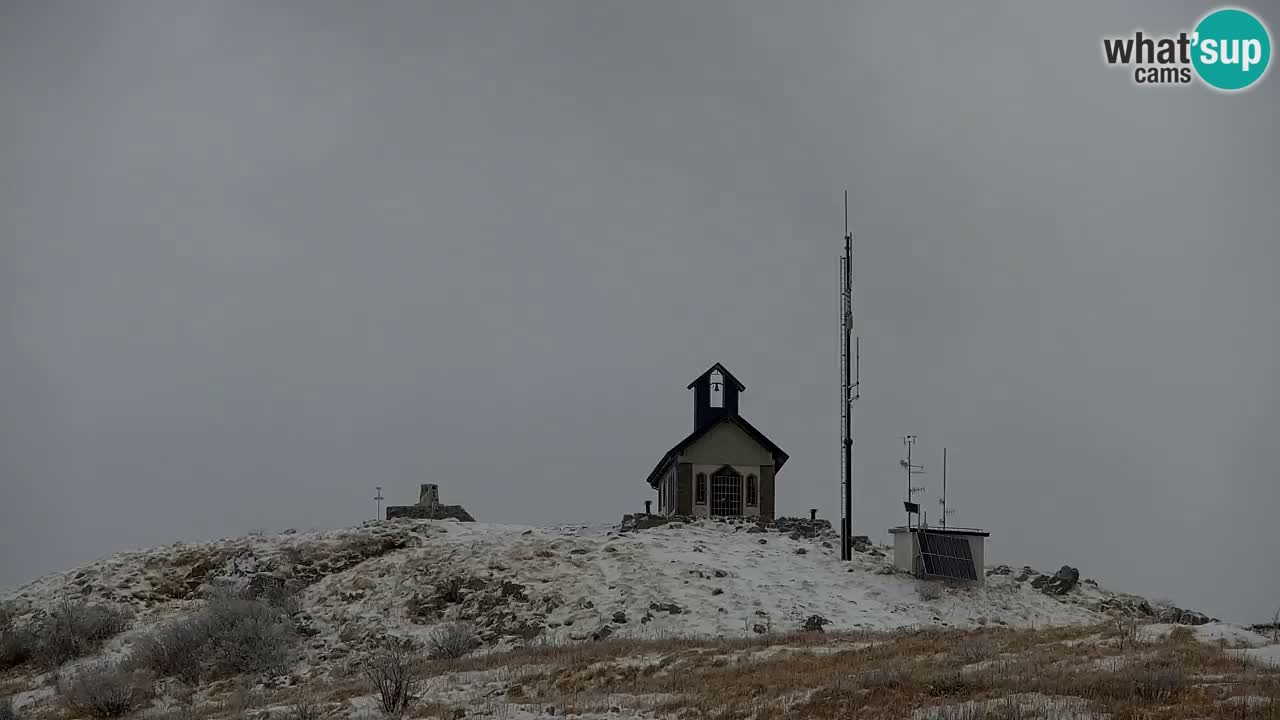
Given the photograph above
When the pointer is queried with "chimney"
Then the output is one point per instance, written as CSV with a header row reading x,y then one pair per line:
x,y
813,514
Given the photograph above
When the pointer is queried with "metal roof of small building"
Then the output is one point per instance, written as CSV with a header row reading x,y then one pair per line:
x,y
941,531
779,457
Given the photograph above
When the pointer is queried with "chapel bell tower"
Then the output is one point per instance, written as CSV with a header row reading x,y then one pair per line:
x,y
715,394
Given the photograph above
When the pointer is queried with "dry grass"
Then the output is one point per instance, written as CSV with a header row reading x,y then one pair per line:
x,y
888,675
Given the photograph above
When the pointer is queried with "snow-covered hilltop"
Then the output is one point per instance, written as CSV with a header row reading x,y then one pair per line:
x,y
685,595
701,579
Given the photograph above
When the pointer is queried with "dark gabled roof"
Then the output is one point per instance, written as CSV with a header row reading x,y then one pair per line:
x,y
728,376
779,457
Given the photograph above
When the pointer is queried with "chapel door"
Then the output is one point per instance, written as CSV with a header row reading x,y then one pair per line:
x,y
726,492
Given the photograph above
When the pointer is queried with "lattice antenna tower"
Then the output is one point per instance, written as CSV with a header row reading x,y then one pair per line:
x,y
909,441
849,388
946,512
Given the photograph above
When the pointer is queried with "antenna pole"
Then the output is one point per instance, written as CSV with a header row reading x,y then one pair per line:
x,y
943,500
378,498
912,469
848,390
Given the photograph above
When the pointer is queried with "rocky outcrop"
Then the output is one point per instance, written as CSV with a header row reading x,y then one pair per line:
x,y
1060,583
1126,605
1178,616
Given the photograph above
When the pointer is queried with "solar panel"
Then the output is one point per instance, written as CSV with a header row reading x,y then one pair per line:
x,y
945,556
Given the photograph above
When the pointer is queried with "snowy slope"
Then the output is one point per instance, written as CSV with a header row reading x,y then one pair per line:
x,y
563,582
723,579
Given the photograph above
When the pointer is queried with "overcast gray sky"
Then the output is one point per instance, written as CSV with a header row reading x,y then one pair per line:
x,y
257,258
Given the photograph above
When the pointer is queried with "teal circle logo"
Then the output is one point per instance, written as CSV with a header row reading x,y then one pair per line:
x,y
1232,49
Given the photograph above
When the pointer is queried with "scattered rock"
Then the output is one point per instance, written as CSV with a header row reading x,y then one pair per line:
x,y
604,632
641,521
514,590
579,551
610,549
762,541
620,617
671,608
814,623
803,527
759,629
801,551
717,591
1000,570
826,544
720,573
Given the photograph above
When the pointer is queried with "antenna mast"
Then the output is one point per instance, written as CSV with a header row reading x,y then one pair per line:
x,y
378,497
910,442
848,389
945,512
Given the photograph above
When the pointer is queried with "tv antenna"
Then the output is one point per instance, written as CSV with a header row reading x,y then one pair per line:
x,y
379,498
912,469
943,500
849,388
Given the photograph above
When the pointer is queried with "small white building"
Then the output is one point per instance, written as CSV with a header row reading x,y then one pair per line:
x,y
935,552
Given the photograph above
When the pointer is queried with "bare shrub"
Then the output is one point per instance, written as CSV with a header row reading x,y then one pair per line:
x,y
177,649
950,684
1138,682
1127,631
106,691
276,592
17,644
305,707
451,641
392,672
890,679
75,629
249,636
233,634
976,650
